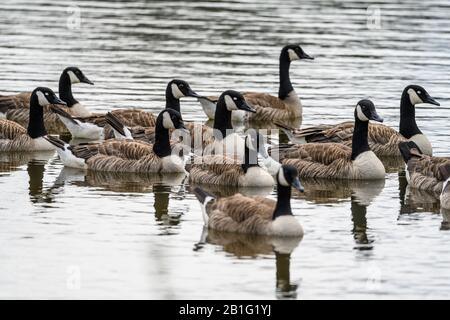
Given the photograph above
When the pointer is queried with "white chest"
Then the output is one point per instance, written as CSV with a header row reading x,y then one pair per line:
x,y
368,166
286,226
40,144
423,143
79,110
172,163
256,176
232,145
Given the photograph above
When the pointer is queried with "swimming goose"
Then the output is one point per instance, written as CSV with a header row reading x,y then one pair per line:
x,y
383,140
254,215
334,160
16,107
223,170
268,108
127,155
225,140
199,134
92,127
425,172
14,137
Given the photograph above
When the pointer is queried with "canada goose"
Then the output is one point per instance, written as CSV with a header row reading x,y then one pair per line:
x,y
383,140
268,108
254,215
125,155
92,127
16,106
226,141
14,137
334,160
425,172
222,170
199,134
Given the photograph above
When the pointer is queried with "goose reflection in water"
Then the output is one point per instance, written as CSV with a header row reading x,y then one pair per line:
x,y
253,246
413,200
361,195
137,184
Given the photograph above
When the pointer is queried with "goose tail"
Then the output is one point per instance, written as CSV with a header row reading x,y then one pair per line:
x,y
120,130
283,126
204,198
64,115
65,153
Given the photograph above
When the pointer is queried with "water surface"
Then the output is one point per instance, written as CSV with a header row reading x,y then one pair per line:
x,y
70,234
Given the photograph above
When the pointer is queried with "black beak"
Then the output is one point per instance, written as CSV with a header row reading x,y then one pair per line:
x,y
297,185
55,100
84,79
306,56
182,127
375,117
246,107
192,93
429,99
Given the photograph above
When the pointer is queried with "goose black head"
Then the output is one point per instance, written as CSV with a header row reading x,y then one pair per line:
x,y
418,95
180,88
255,141
295,52
365,111
171,119
235,101
76,75
46,96
288,176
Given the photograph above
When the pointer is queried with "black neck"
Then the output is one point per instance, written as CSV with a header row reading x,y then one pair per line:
x,y
222,118
171,101
250,159
360,143
285,80
65,90
408,125
283,207
36,126
161,147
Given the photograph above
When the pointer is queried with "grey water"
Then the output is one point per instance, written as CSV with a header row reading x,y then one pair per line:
x,y
74,234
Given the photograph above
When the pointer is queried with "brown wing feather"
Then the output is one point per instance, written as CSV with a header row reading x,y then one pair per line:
x,y
21,100
427,173
217,169
129,117
318,160
10,130
241,214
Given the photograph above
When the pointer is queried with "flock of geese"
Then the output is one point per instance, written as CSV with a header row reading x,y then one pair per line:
x,y
137,141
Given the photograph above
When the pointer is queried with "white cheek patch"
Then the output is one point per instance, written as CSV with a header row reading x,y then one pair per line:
x,y
73,77
292,55
167,121
413,97
231,105
282,179
176,92
360,114
42,99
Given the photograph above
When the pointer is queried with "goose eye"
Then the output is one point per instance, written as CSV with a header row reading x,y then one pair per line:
x,y
419,92
234,98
